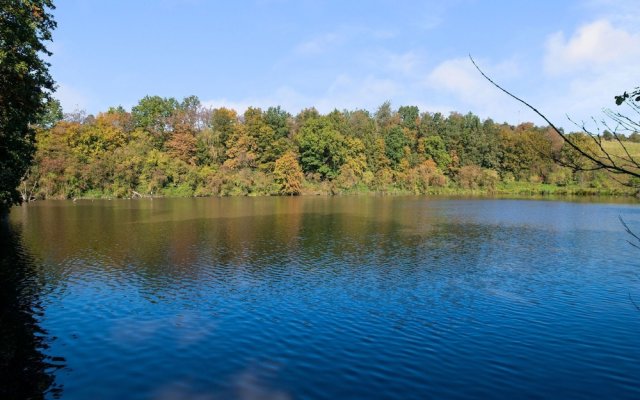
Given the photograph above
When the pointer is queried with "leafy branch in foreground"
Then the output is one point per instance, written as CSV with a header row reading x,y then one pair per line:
x,y
25,87
635,95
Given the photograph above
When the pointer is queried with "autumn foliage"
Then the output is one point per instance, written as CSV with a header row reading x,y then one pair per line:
x,y
165,147
288,174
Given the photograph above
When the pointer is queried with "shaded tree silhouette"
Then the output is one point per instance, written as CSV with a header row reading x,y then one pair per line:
x,y
25,371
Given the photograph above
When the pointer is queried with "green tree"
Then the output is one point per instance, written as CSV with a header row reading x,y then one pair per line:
x,y
395,141
279,120
322,147
153,114
52,114
433,148
410,116
305,115
361,125
268,147
25,87
224,122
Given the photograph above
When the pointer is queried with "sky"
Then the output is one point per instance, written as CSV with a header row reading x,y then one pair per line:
x,y
568,58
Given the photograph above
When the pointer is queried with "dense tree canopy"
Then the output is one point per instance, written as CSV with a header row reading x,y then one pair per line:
x,y
25,86
180,148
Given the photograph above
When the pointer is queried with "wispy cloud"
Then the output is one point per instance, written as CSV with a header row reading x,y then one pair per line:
x,y
407,63
458,80
341,37
320,44
591,65
594,46
352,92
622,13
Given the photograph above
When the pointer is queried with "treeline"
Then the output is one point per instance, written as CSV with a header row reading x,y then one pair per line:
x,y
180,148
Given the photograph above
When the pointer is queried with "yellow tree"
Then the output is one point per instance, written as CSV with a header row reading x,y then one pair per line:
x,y
241,149
288,174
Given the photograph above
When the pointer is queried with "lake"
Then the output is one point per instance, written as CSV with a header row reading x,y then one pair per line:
x,y
320,298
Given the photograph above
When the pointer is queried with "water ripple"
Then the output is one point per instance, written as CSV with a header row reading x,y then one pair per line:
x,y
336,298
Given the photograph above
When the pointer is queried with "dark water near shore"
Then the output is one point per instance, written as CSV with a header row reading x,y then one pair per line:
x,y
288,298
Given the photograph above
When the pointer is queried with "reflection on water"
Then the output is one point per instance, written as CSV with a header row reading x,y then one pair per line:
x,y
25,372
332,297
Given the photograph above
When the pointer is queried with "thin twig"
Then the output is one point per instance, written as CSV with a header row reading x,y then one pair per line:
x,y
613,168
630,232
633,302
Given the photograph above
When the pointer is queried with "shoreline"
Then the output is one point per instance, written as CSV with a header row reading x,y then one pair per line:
x,y
526,193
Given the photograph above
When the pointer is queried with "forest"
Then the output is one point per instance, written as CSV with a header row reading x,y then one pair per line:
x,y
166,147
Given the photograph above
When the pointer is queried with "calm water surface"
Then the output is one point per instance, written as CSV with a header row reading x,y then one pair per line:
x,y
319,298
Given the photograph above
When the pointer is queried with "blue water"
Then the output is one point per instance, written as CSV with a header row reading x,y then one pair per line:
x,y
325,298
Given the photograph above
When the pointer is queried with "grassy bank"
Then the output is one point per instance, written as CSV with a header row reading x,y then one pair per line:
x,y
513,189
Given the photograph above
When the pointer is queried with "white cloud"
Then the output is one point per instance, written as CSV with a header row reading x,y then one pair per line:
x,y
584,95
456,75
368,92
342,36
595,46
399,78
406,63
587,68
458,80
344,92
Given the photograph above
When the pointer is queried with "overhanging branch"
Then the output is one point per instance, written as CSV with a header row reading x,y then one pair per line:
x,y
599,162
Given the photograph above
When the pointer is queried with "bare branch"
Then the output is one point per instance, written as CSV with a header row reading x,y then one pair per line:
x,y
633,302
630,232
601,163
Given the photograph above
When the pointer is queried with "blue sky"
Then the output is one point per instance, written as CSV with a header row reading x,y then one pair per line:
x,y
566,57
